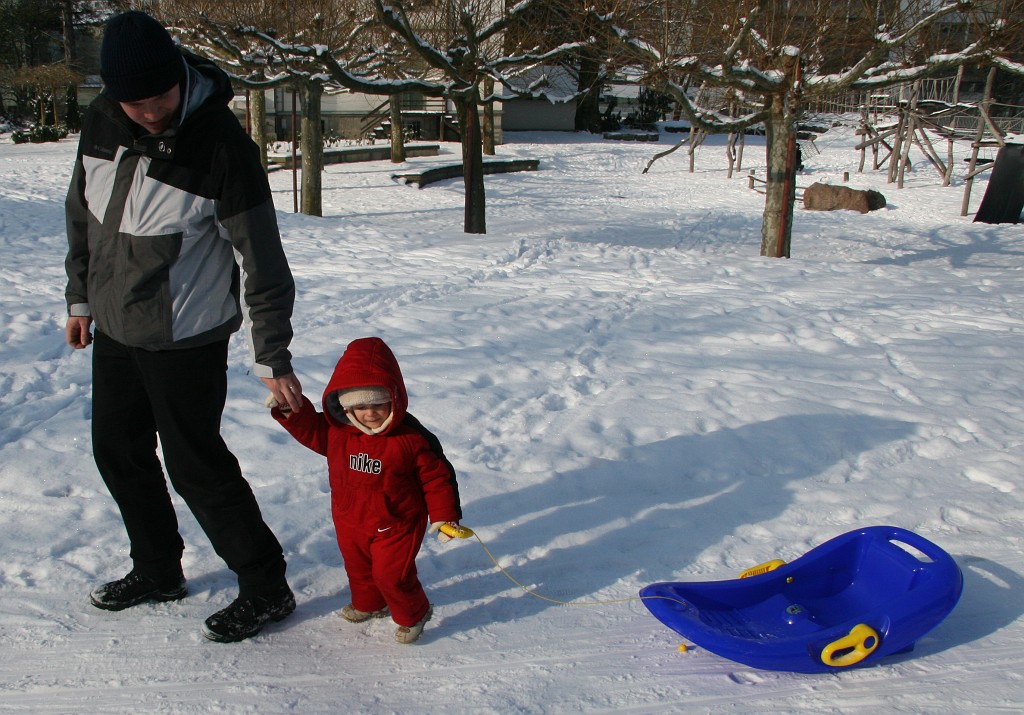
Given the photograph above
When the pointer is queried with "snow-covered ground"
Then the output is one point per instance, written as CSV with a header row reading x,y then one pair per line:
x,y
629,393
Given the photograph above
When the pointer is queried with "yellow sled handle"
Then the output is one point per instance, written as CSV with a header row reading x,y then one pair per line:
x,y
763,568
854,647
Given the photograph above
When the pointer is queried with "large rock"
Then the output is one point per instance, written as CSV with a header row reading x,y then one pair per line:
x,y
826,197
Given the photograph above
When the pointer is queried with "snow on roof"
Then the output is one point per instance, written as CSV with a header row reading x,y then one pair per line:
x,y
555,79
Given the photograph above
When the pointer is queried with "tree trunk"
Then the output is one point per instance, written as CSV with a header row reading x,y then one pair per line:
x,y
72,115
588,111
472,165
258,123
397,129
487,125
312,144
487,130
780,188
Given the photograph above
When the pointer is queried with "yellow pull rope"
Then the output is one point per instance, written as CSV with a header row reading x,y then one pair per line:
x,y
466,532
533,593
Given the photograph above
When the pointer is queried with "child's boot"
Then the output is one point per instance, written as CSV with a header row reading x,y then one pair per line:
x,y
353,615
410,634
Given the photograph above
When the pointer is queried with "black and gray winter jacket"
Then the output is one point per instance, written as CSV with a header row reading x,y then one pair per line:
x,y
157,226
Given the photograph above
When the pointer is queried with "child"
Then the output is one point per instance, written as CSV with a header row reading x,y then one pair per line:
x,y
387,474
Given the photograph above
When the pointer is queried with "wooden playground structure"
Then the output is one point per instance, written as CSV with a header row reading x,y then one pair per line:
x,y
924,113
931,111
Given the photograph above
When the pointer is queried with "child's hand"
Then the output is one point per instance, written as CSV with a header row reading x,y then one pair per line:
x,y
448,530
271,402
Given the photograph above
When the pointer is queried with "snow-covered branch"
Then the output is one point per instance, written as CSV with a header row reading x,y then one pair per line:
x,y
1004,63
875,63
709,120
394,18
319,63
753,66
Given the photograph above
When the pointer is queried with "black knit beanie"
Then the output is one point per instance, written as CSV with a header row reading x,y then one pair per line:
x,y
138,59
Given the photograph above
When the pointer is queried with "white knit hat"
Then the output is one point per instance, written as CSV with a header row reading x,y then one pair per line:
x,y
370,395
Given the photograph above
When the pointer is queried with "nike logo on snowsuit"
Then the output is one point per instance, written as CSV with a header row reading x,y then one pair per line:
x,y
363,463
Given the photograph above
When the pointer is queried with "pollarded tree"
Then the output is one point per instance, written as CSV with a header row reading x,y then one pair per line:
x,y
190,19
781,55
236,35
441,48
463,48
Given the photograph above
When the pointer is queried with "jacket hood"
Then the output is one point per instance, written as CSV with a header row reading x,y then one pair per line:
x,y
207,85
366,362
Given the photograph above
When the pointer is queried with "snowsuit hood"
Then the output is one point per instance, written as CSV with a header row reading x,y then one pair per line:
x,y
366,362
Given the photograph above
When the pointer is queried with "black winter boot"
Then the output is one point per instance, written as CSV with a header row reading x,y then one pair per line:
x,y
134,589
246,616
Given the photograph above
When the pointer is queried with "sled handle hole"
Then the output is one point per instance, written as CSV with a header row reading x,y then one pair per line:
x,y
913,551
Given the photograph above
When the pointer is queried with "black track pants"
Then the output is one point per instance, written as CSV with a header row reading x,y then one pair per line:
x,y
178,395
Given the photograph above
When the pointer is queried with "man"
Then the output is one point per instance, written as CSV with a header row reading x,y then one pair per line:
x,y
167,189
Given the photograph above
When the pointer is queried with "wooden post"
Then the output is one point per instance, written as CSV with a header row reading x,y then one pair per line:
x,y
730,154
949,163
897,147
730,144
690,149
866,134
978,136
908,133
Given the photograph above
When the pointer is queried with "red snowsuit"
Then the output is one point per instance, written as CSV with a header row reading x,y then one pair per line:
x,y
383,486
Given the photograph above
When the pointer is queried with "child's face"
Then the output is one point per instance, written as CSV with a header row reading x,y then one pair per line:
x,y
372,416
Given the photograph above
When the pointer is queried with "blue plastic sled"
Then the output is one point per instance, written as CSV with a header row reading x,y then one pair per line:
x,y
850,601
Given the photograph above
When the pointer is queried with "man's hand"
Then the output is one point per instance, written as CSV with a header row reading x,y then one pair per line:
x,y
286,390
77,333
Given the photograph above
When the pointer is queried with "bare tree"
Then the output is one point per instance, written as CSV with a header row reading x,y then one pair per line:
x,y
444,48
462,48
243,37
198,25
46,83
782,55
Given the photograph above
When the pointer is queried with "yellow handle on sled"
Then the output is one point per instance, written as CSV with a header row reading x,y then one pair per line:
x,y
763,568
856,646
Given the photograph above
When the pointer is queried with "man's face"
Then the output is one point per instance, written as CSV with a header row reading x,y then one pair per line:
x,y
156,113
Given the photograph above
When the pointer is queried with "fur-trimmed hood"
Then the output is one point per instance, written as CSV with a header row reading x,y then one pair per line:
x,y
366,362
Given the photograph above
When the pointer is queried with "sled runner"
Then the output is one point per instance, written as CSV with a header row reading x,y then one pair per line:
x,y
855,599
